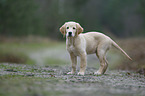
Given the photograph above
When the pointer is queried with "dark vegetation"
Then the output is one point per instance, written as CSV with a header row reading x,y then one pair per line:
x,y
44,17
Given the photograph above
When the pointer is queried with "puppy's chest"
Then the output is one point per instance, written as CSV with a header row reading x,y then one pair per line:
x,y
72,49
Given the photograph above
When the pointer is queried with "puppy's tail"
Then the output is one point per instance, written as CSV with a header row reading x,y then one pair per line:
x,y
117,46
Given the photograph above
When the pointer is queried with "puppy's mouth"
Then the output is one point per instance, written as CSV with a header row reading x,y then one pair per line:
x,y
70,34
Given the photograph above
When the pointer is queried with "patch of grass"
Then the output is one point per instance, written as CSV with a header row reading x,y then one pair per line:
x,y
17,51
17,57
114,58
56,61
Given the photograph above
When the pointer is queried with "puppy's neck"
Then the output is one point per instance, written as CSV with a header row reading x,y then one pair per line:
x,y
70,41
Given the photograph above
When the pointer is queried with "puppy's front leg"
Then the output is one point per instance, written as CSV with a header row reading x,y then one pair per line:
x,y
74,63
83,64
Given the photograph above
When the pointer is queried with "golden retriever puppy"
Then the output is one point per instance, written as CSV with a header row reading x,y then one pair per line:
x,y
79,44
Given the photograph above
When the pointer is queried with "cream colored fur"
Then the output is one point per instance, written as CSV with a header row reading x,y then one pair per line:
x,y
79,44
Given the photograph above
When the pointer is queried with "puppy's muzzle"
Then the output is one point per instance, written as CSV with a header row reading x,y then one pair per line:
x,y
70,34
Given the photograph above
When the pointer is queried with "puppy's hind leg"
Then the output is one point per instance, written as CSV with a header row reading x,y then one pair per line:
x,y
101,52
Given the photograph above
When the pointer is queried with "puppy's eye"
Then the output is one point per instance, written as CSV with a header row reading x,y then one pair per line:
x,y
74,28
67,27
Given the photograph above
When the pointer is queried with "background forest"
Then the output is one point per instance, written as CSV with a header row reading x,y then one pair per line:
x,y
122,18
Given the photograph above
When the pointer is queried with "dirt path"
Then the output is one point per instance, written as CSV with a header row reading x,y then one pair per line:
x,y
53,81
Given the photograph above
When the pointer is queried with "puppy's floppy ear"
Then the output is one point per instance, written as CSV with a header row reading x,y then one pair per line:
x,y
62,29
79,28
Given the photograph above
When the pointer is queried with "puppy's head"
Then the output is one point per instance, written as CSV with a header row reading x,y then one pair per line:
x,y
71,29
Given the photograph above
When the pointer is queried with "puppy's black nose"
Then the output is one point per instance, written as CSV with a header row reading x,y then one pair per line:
x,y
69,33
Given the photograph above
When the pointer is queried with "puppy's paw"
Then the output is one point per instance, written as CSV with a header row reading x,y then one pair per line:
x,y
81,73
70,73
97,73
